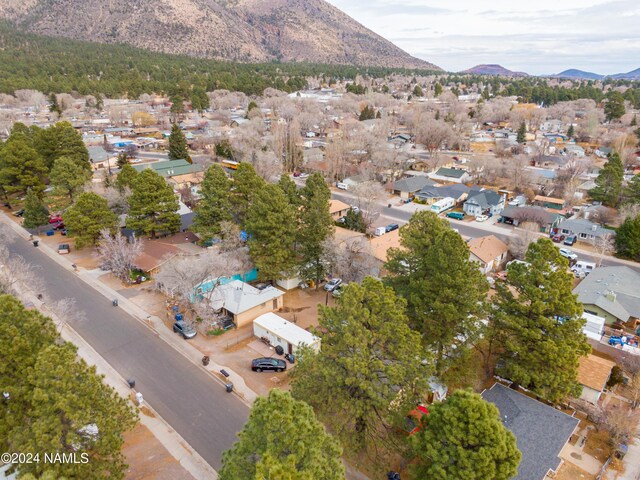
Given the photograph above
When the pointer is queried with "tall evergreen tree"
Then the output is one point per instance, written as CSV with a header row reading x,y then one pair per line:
x,y
368,355
290,189
522,133
178,149
68,177
463,437
316,225
632,192
444,304
87,217
62,140
609,182
54,106
628,239
614,106
271,224
153,206
571,132
283,439
437,89
539,319
21,166
36,213
214,206
246,183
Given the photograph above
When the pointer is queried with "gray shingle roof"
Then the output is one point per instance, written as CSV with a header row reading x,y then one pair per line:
x,y
453,191
412,184
450,172
541,431
485,198
97,154
580,225
623,281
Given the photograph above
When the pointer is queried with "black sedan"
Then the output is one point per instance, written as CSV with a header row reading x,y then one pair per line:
x,y
267,363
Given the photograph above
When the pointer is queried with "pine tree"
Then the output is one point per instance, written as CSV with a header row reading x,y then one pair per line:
x,y
54,107
21,167
628,239
367,113
214,206
614,106
68,177
437,90
290,189
316,225
126,178
283,439
417,91
522,133
632,192
368,355
178,149
152,205
246,183
463,437
570,132
271,225
122,160
36,213
87,217
455,294
539,318
609,182
62,140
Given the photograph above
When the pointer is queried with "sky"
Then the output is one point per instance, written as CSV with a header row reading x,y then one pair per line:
x,y
537,37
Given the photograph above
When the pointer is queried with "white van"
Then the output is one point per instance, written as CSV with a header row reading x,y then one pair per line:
x,y
380,231
582,266
342,186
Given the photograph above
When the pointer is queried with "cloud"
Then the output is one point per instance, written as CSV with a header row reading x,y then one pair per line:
x,y
544,37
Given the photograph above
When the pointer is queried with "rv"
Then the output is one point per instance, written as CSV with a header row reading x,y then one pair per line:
x,y
442,205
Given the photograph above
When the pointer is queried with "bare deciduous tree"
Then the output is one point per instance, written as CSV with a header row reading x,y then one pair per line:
x,y
118,254
618,421
631,365
527,233
352,260
603,246
369,198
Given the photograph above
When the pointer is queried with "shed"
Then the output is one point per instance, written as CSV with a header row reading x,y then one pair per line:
x,y
593,375
284,333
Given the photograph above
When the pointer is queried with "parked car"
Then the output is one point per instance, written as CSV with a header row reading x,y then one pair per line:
x,y
482,218
63,248
18,213
184,329
570,240
557,238
58,226
456,215
337,292
391,227
355,209
55,219
333,284
267,363
565,252
342,186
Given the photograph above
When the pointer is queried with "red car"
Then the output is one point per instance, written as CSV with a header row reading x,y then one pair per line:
x,y
413,421
55,219
557,238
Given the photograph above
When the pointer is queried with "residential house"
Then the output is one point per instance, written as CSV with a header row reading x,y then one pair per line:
x,y
171,168
549,202
611,293
431,195
155,253
408,187
490,252
450,175
99,157
584,230
244,302
188,180
355,180
603,152
515,215
338,209
541,431
483,202
381,245
593,375
574,150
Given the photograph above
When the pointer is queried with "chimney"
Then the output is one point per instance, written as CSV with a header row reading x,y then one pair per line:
x,y
610,295
594,227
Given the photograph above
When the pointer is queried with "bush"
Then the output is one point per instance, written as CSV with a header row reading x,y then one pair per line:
x,y
616,377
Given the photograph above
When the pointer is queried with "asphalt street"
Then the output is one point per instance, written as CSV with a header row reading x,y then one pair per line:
x,y
194,404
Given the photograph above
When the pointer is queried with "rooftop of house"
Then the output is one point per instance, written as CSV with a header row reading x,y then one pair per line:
x,y
485,198
237,297
557,201
541,431
487,248
413,184
154,254
285,329
594,372
380,245
194,178
336,206
98,154
580,225
443,191
514,211
171,168
613,289
450,172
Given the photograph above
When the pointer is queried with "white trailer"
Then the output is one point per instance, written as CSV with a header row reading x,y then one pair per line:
x,y
284,333
442,205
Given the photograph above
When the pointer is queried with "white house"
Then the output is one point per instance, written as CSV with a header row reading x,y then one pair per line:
x,y
284,333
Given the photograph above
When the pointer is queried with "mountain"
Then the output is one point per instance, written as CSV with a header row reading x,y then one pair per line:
x,y
235,30
632,75
494,70
579,74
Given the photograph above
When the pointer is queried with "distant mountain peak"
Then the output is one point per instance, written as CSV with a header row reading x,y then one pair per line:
x,y
494,69
234,30
578,74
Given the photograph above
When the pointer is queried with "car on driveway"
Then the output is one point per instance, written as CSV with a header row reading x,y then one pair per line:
x,y
333,284
391,227
184,329
570,240
557,238
456,215
268,363
482,218
565,252
63,248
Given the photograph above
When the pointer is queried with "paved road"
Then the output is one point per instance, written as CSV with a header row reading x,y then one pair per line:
x,y
402,216
194,404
